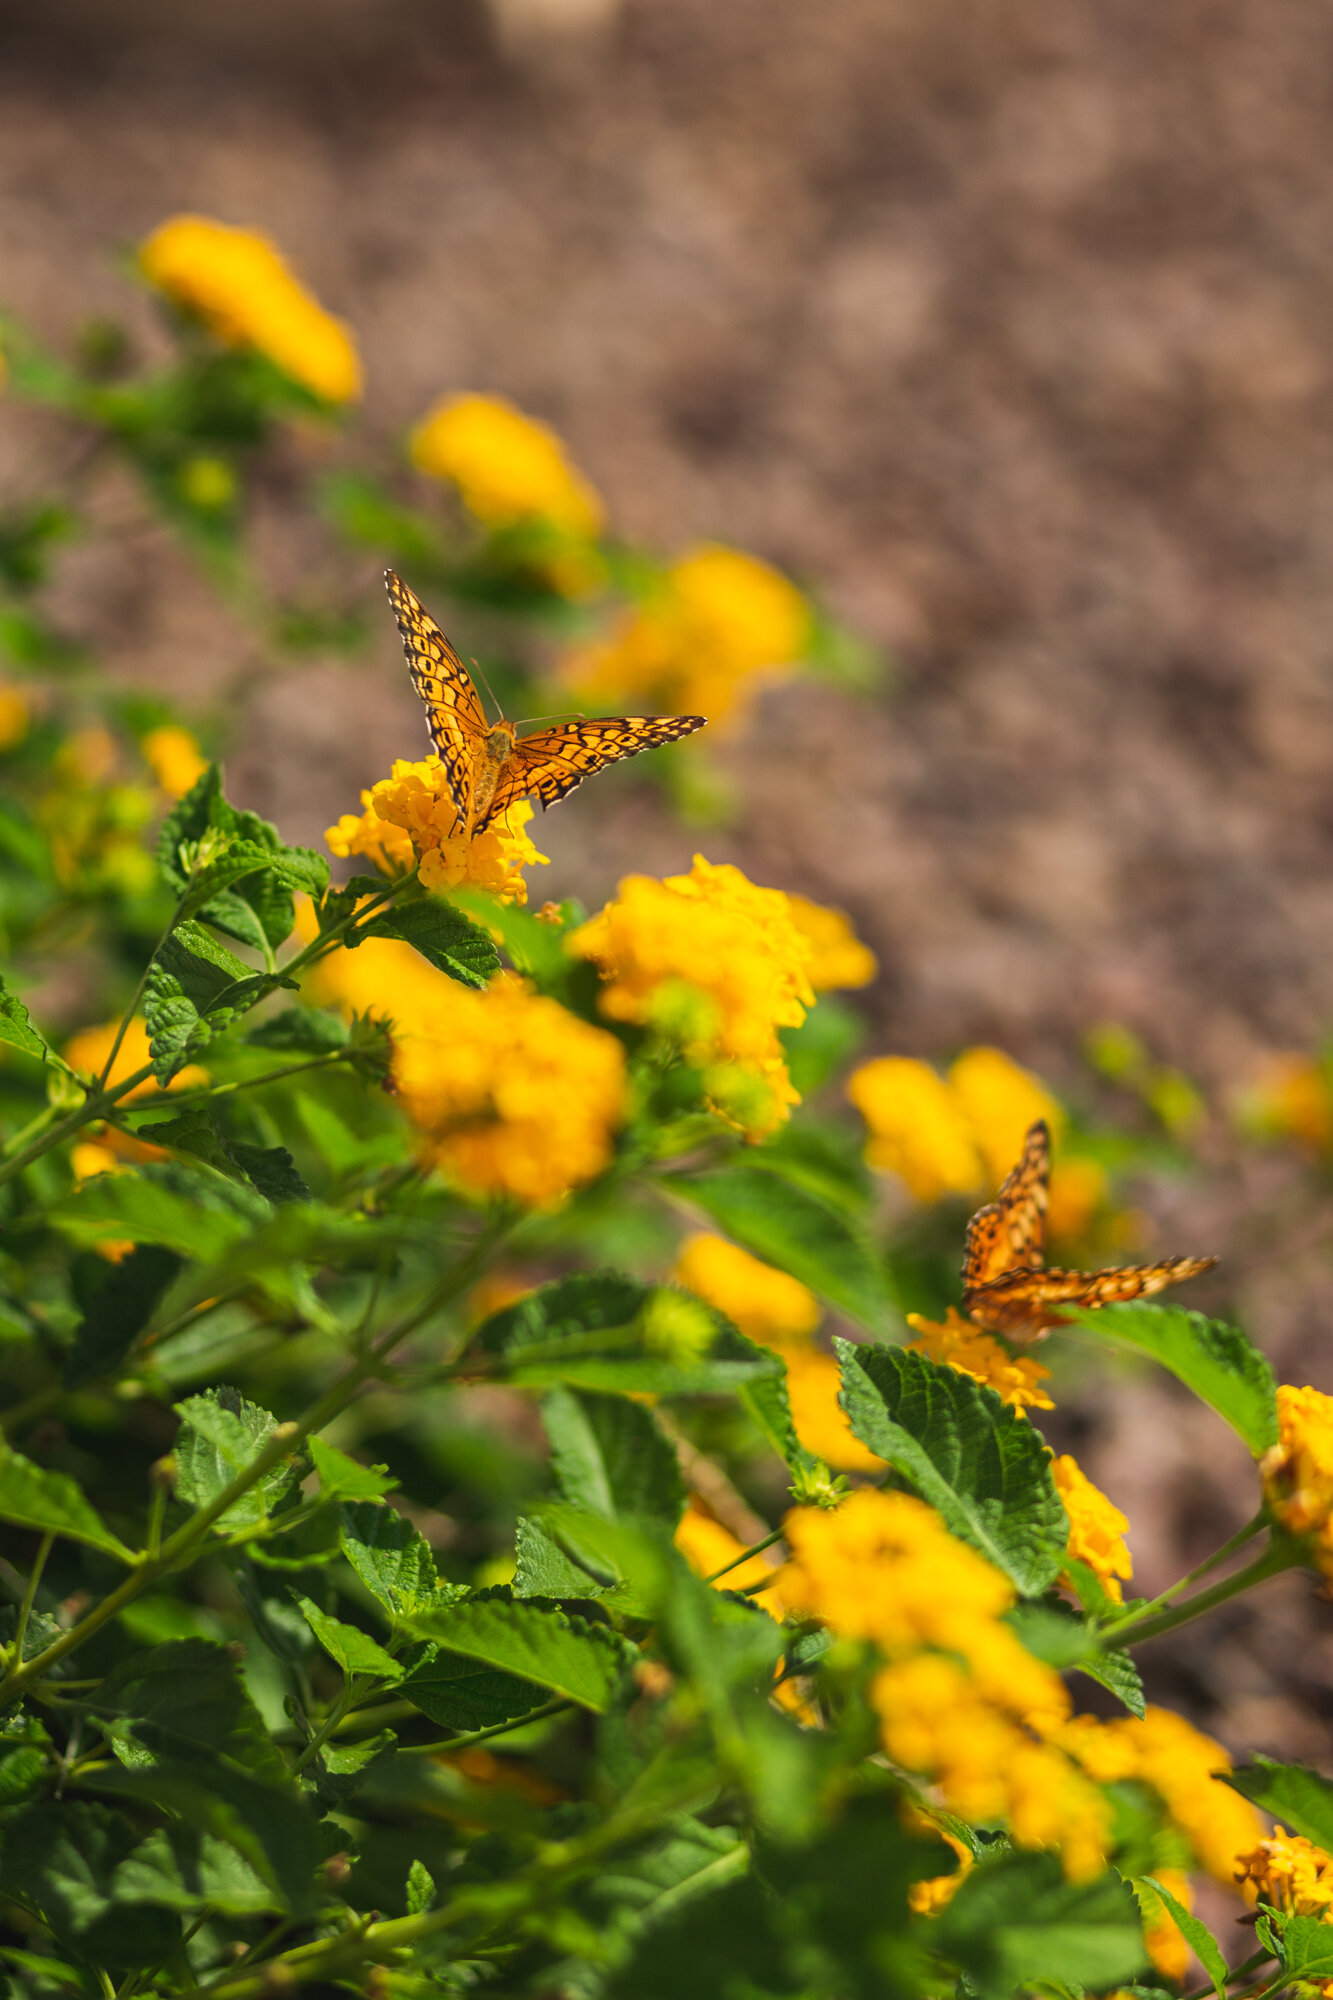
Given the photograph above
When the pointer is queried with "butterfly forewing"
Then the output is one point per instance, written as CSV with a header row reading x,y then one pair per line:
x,y
1023,1303
454,714
1010,1232
553,761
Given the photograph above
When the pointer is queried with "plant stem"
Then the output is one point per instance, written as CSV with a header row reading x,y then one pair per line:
x,y
209,1093
327,1727
449,1743
1251,1964
755,1549
30,1595
1228,1548
97,1102
1281,1553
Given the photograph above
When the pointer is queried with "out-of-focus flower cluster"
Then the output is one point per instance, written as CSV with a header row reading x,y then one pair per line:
x,y
1097,1528
507,466
411,817
240,285
1298,1471
1184,1767
717,624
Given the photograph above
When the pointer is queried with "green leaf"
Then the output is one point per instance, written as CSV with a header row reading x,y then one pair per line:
x,y
391,1557
353,1650
272,1171
307,1030
534,948
726,1943
463,1694
1307,1946
203,969
187,1697
1196,1934
445,938
341,1478
1120,1676
1298,1797
543,1569
33,1497
608,1455
160,1204
565,1655
63,1858
117,1301
767,1400
797,1231
1216,1361
1016,1921
195,1132
258,909
973,1458
16,1028
588,1331
221,1435
569,1309
420,1889
179,1868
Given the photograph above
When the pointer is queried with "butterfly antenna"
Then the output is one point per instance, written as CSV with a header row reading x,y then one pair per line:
x,y
562,715
490,691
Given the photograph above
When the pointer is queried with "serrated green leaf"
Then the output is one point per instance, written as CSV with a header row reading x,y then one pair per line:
x,y
258,909
203,969
569,1309
420,1889
187,1697
221,1435
391,1557
179,1868
1118,1674
33,1497
16,1028
341,1478
977,1461
308,1030
543,1569
565,1655
63,1858
797,1231
353,1650
1195,1933
1307,1946
445,938
608,1455
466,1694
176,1029
1300,1798
117,1301
271,1170
1016,1921
1216,1361
195,1132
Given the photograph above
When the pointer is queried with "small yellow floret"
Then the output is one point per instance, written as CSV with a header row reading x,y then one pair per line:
x,y
719,622
837,955
955,1342
1097,1529
1000,1101
715,963
507,467
1298,1471
15,716
239,284
918,1128
766,1304
412,816
174,758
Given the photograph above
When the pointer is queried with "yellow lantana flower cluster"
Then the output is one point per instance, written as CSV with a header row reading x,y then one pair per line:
x,y
1184,1767
960,1699
954,1342
718,623
105,1149
507,467
837,955
239,284
1298,1471
411,816
15,714
716,964
1097,1528
1289,1099
954,1135
174,758
1289,1873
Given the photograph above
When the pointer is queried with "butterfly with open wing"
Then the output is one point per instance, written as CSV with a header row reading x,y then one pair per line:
x,y
1006,1288
489,767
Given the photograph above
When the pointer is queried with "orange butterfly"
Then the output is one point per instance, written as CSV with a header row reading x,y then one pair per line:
x,y
1005,1288
487,766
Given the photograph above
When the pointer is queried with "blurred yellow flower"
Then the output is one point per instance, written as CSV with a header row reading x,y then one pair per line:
x,y
706,1546
1298,1470
999,1101
1165,1946
1077,1191
837,955
764,1303
1097,1528
927,1899
174,758
508,467
1183,1766
88,1050
954,1342
813,1382
716,964
1289,1099
1289,1873
88,1159
239,284
15,714
411,815
918,1128
718,621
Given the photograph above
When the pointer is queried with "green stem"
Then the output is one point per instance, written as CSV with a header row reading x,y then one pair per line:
x,y
1228,1548
1281,1553
95,1105
1251,1964
28,1131
327,1727
484,1735
141,988
209,1093
30,1595
755,1549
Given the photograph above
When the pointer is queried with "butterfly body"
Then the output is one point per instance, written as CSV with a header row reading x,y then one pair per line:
x,y
488,766
1006,1287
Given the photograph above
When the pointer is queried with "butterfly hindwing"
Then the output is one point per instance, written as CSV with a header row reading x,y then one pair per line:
x,y
1010,1232
454,714
552,762
1022,1303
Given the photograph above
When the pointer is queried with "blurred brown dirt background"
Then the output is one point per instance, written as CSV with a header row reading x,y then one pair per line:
x,y
1004,328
